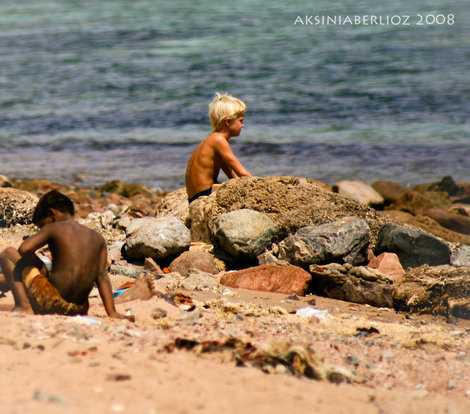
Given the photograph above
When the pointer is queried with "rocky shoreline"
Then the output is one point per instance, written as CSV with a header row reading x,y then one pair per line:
x,y
377,257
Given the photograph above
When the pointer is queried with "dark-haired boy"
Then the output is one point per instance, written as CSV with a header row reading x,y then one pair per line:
x,y
79,257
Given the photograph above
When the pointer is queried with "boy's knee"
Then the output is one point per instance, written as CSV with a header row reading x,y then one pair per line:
x,y
9,253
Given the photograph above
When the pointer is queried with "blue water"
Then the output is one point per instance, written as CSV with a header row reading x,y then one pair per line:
x,y
118,89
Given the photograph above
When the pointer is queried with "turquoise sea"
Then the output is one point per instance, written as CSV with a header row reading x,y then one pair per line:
x,y
118,89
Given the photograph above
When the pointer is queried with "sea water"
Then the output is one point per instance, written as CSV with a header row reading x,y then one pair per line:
x,y
336,90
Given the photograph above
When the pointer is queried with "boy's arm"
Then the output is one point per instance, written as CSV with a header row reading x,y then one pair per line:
x,y
230,164
31,244
106,291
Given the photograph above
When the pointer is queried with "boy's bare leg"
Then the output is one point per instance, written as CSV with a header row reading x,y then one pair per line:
x,y
8,261
4,286
143,288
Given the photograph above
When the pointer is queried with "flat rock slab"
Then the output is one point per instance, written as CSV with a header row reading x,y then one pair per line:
x,y
353,284
269,278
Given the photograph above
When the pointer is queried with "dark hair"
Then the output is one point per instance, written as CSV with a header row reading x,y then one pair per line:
x,y
53,199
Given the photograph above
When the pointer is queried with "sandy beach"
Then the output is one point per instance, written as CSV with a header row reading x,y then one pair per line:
x,y
71,364
223,354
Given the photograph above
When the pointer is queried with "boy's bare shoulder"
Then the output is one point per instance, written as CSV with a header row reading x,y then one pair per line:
x,y
72,226
215,139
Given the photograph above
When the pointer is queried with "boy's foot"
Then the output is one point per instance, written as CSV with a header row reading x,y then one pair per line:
x,y
143,288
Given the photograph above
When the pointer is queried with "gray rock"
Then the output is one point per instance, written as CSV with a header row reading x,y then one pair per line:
x,y
291,202
460,255
198,280
344,241
353,284
243,233
157,238
413,247
131,271
16,207
114,251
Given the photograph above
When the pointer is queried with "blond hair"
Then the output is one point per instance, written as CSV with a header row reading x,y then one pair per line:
x,y
225,107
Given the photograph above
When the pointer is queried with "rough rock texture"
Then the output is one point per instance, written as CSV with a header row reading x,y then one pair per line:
x,y
243,233
447,185
359,191
352,284
440,289
413,247
345,241
412,202
460,255
291,202
269,278
194,259
199,280
427,224
452,221
157,238
389,190
175,203
389,264
16,207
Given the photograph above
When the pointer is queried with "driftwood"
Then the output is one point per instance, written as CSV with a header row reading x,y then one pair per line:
x,y
443,290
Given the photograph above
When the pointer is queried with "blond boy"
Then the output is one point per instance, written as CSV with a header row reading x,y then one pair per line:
x,y
226,114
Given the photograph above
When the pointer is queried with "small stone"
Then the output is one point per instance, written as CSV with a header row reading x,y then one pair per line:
x,y
118,377
158,313
353,360
152,266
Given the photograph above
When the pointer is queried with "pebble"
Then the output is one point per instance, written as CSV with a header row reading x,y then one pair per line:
x,y
52,398
158,313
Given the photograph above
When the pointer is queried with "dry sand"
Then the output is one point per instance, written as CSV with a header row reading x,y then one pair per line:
x,y
399,363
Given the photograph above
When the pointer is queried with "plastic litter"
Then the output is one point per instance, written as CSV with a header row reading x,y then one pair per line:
x,y
309,312
84,319
47,262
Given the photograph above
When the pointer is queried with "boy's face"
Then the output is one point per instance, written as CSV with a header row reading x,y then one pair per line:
x,y
235,127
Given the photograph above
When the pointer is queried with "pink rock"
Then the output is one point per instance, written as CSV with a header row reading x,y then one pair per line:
x,y
389,264
269,278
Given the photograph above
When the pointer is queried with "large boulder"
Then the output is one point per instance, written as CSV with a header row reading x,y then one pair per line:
x,y
243,234
291,202
342,241
16,207
413,247
158,238
269,278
